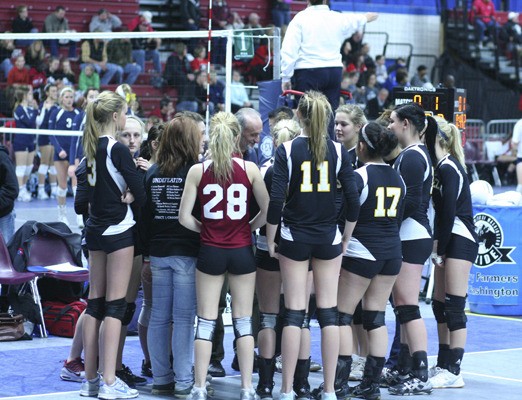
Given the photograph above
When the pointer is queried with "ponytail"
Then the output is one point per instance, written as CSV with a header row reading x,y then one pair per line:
x,y
224,135
19,95
449,138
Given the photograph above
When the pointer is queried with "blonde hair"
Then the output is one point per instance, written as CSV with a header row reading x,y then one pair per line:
x,y
314,113
355,114
62,93
99,116
224,134
450,139
138,120
20,94
285,130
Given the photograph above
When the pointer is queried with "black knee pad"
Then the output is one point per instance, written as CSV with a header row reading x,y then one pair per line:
x,y
357,314
294,317
438,311
96,308
372,319
407,313
267,320
242,327
129,313
306,322
345,319
116,309
205,329
454,312
327,317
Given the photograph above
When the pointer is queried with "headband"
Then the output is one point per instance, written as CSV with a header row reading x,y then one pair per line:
x,y
442,134
66,89
365,137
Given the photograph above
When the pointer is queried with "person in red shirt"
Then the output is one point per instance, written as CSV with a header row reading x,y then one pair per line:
x,y
19,75
224,187
484,12
199,63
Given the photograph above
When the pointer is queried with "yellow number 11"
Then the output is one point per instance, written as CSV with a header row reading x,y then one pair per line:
x,y
307,185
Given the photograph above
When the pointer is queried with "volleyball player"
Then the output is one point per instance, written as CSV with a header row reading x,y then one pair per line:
x,y
114,184
306,171
25,115
349,119
454,250
224,187
373,258
62,119
409,123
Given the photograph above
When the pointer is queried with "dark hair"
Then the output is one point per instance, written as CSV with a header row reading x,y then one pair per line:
x,y
421,68
378,140
281,110
164,102
430,137
155,132
377,58
102,11
401,75
59,8
413,113
316,2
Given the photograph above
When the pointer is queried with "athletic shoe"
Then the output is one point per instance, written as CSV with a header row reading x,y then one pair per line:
x,y
197,394
445,379
315,366
42,195
366,390
126,375
216,369
279,363
287,396
412,385
165,389
81,225
118,390
248,394
146,367
328,396
357,372
24,195
62,215
91,388
391,377
183,393
73,371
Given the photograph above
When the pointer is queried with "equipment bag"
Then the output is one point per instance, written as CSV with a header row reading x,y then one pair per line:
x,y
61,318
11,326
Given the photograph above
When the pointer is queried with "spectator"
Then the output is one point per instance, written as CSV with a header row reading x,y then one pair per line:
x,y
393,78
19,75
190,14
177,68
356,41
35,54
377,105
144,49
57,23
119,52
94,51
346,53
8,194
237,22
126,92
193,94
23,24
89,78
6,51
216,92
199,63
69,77
512,32
262,64
421,79
380,69
357,65
238,94
257,29
281,12
53,72
484,14
38,78
371,90
367,59
449,81
104,22
222,15
402,78
165,111
400,62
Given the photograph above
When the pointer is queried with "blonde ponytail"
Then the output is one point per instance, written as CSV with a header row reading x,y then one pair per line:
x,y
224,137
450,140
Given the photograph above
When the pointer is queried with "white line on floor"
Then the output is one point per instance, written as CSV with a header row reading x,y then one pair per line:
x,y
492,377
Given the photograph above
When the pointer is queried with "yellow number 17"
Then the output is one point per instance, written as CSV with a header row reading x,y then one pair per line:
x,y
395,194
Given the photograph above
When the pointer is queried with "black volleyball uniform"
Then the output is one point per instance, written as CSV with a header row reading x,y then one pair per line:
x,y
308,193
414,166
454,228
375,246
109,227
354,159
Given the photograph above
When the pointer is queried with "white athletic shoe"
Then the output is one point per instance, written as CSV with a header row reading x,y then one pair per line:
x,y
434,370
197,393
79,221
91,388
287,396
62,215
42,194
24,195
357,372
248,394
445,379
118,390
328,396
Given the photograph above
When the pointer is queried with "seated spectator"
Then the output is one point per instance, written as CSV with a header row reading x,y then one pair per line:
x,y
400,62
512,32
346,53
281,12
6,52
393,78
421,79
371,90
358,93
69,77
192,96
165,111
237,22
126,92
377,105
19,75
356,42
257,29
357,65
35,54
367,59
216,93
402,78
94,51
221,14
119,52
199,63
190,14
177,68
484,19
23,24
89,78
238,93
53,71
38,78
261,67
448,81
57,23
380,69
144,49
104,21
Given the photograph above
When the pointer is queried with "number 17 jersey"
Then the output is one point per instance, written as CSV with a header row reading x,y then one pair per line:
x,y
225,216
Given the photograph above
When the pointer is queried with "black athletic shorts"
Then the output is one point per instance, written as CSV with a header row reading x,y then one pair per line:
x,y
461,248
416,251
304,251
216,260
369,269
264,261
108,243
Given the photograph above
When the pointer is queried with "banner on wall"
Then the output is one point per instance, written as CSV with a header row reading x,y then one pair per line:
x,y
495,276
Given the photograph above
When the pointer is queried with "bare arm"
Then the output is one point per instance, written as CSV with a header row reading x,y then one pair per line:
x,y
188,199
261,195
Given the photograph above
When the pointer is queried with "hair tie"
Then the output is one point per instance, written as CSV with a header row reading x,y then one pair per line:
x,y
442,134
365,137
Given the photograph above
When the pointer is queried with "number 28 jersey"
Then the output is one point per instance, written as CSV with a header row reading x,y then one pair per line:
x,y
225,216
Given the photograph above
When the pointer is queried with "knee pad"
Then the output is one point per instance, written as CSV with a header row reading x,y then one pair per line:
x,y
358,314
306,322
327,317
116,309
372,319
61,192
205,329
42,169
267,320
454,312
96,308
407,313
52,170
242,327
20,171
146,309
345,319
294,317
438,311
129,313
28,170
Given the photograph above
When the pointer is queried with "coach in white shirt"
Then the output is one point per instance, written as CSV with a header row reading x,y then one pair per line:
x,y
311,54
